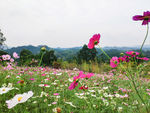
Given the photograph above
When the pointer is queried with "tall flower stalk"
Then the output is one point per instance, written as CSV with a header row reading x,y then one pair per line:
x,y
115,61
144,38
43,49
146,19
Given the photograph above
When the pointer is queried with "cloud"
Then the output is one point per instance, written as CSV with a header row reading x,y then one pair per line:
x,y
68,23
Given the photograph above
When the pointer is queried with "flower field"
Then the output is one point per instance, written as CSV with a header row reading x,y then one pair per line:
x,y
103,93
42,89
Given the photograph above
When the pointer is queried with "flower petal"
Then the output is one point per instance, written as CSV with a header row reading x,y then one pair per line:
x,y
145,22
138,17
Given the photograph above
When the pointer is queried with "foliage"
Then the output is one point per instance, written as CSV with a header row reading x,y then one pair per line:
x,y
25,57
86,54
48,58
3,52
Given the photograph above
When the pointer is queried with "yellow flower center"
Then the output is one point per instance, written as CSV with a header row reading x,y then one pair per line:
x,y
19,99
3,90
95,43
146,17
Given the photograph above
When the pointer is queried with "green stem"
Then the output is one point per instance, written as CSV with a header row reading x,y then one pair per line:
x,y
139,94
144,38
134,85
104,52
41,58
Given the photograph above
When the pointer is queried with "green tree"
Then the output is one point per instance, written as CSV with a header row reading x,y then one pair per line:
x,y
3,52
48,58
25,56
86,54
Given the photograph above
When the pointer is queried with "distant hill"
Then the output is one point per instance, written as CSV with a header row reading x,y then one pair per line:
x,y
68,53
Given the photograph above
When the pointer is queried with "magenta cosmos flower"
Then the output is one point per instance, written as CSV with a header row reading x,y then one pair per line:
x,y
132,53
73,85
94,41
145,17
114,62
144,58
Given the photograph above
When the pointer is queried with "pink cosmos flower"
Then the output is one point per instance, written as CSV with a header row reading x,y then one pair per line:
x,y
126,58
147,89
56,94
144,58
132,53
15,55
54,102
145,17
43,74
114,62
9,66
94,41
122,59
6,57
11,60
83,87
32,79
73,85
89,75
81,75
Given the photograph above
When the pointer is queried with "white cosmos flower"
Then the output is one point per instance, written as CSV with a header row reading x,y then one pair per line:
x,y
117,95
43,94
70,103
105,88
70,79
82,97
19,98
105,94
54,83
59,74
92,91
4,90
41,85
100,91
10,85
119,108
4,85
17,76
93,95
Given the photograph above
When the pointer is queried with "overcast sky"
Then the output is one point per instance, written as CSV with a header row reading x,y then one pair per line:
x,y
70,23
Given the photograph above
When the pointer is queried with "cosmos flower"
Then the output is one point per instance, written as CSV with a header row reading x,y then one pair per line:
x,y
56,94
73,85
6,57
19,98
11,60
94,41
145,17
4,90
88,75
83,87
132,53
114,62
122,59
70,103
32,79
15,55
144,58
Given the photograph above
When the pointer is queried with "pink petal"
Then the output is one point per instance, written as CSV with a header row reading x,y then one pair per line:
x,y
145,22
138,17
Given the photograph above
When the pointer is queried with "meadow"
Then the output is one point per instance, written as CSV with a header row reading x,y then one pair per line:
x,y
106,93
123,88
